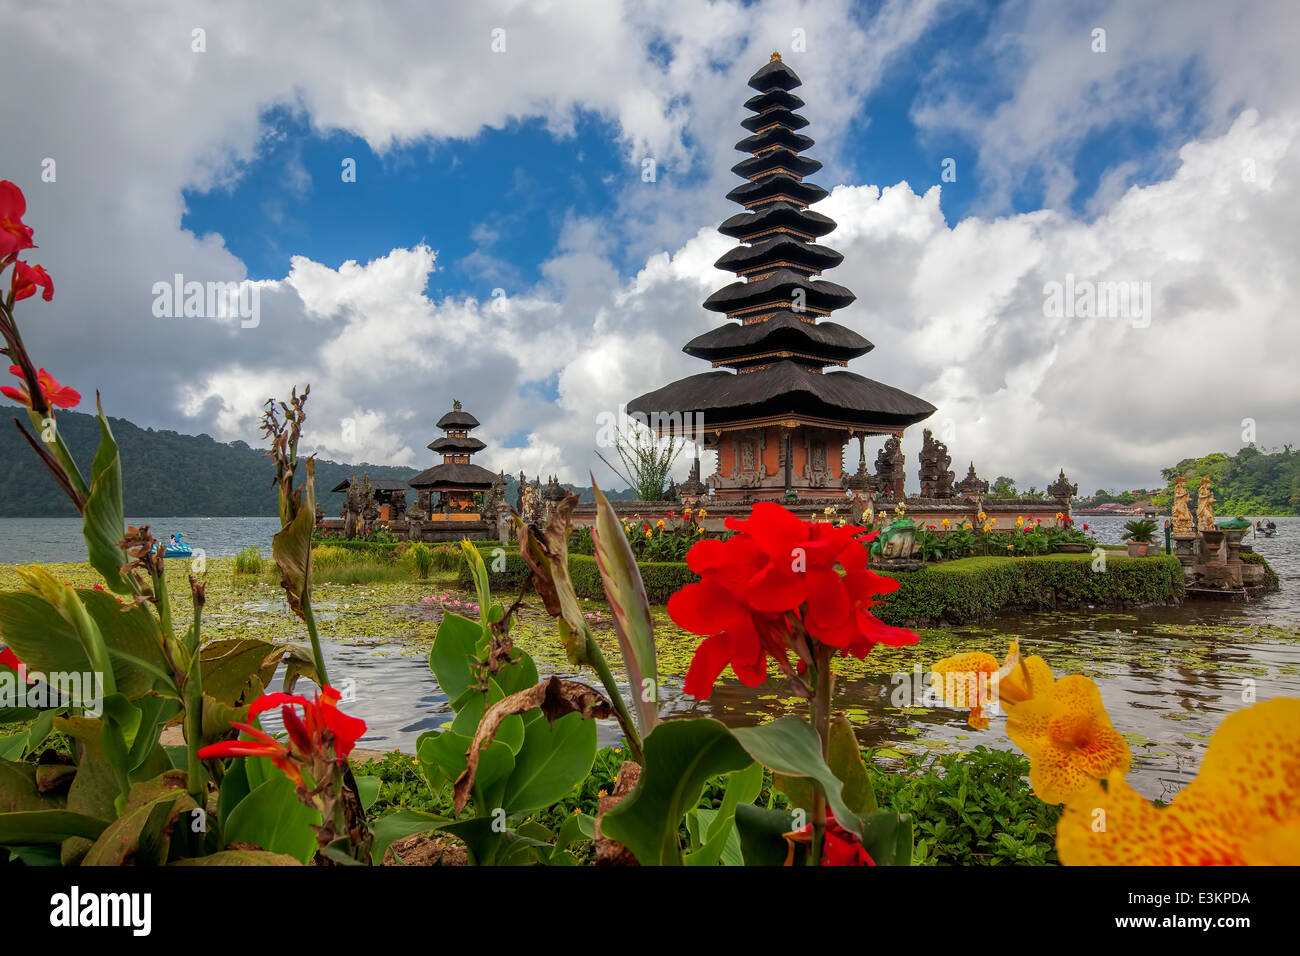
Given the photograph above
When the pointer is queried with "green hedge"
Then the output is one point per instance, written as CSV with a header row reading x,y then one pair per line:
x,y
953,592
973,589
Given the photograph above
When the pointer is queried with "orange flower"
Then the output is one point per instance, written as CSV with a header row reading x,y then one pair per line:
x,y
14,235
26,280
1243,807
1068,737
963,682
55,394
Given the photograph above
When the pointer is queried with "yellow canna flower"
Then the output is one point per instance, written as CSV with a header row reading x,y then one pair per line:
x,y
1068,737
659,523
963,681
1016,681
981,516
1020,521
944,523
1022,679
702,512
1243,807
648,534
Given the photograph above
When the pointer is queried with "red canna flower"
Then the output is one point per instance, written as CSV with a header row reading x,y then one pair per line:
x,y
14,235
10,660
839,848
323,733
27,278
778,567
63,396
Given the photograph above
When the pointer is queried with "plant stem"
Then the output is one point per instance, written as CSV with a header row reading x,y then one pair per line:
x,y
601,667
193,701
822,722
319,657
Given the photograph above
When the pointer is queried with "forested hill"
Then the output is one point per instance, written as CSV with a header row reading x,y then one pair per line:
x,y
164,473
1251,482
167,474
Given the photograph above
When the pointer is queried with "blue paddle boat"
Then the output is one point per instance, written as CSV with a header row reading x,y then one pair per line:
x,y
176,548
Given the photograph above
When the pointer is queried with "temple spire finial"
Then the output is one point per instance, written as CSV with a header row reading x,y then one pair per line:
x,y
776,55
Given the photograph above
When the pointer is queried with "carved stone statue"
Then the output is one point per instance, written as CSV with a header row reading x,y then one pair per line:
x,y
353,505
936,479
972,486
369,506
1061,489
1182,513
889,469
495,497
1205,506
397,506
519,494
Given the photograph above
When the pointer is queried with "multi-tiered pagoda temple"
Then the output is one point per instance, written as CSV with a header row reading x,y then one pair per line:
x,y
779,421
456,480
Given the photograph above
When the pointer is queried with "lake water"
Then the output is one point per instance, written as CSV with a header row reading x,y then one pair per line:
x,y
25,540
1168,675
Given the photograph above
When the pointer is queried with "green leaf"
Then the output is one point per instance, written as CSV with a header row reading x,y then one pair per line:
x,y
135,645
887,836
229,665
630,608
554,759
41,637
141,835
104,522
844,757
495,763
18,790
457,644
397,826
368,790
25,828
680,756
717,829
790,746
442,757
761,840
271,817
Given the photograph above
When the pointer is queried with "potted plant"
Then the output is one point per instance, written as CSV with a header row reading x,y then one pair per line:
x,y
1140,533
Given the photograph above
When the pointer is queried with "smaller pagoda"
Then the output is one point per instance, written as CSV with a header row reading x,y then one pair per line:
x,y
456,480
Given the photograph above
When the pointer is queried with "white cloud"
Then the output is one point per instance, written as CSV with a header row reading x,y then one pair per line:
x,y
134,118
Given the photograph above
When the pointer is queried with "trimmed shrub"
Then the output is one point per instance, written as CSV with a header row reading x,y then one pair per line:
x,y
973,589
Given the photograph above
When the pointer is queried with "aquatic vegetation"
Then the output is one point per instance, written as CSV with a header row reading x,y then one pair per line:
x,y
249,560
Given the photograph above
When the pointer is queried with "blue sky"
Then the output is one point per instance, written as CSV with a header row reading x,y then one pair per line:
x,y
493,205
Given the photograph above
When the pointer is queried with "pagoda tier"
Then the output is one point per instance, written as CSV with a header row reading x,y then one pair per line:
x,y
448,445
787,334
456,479
779,422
